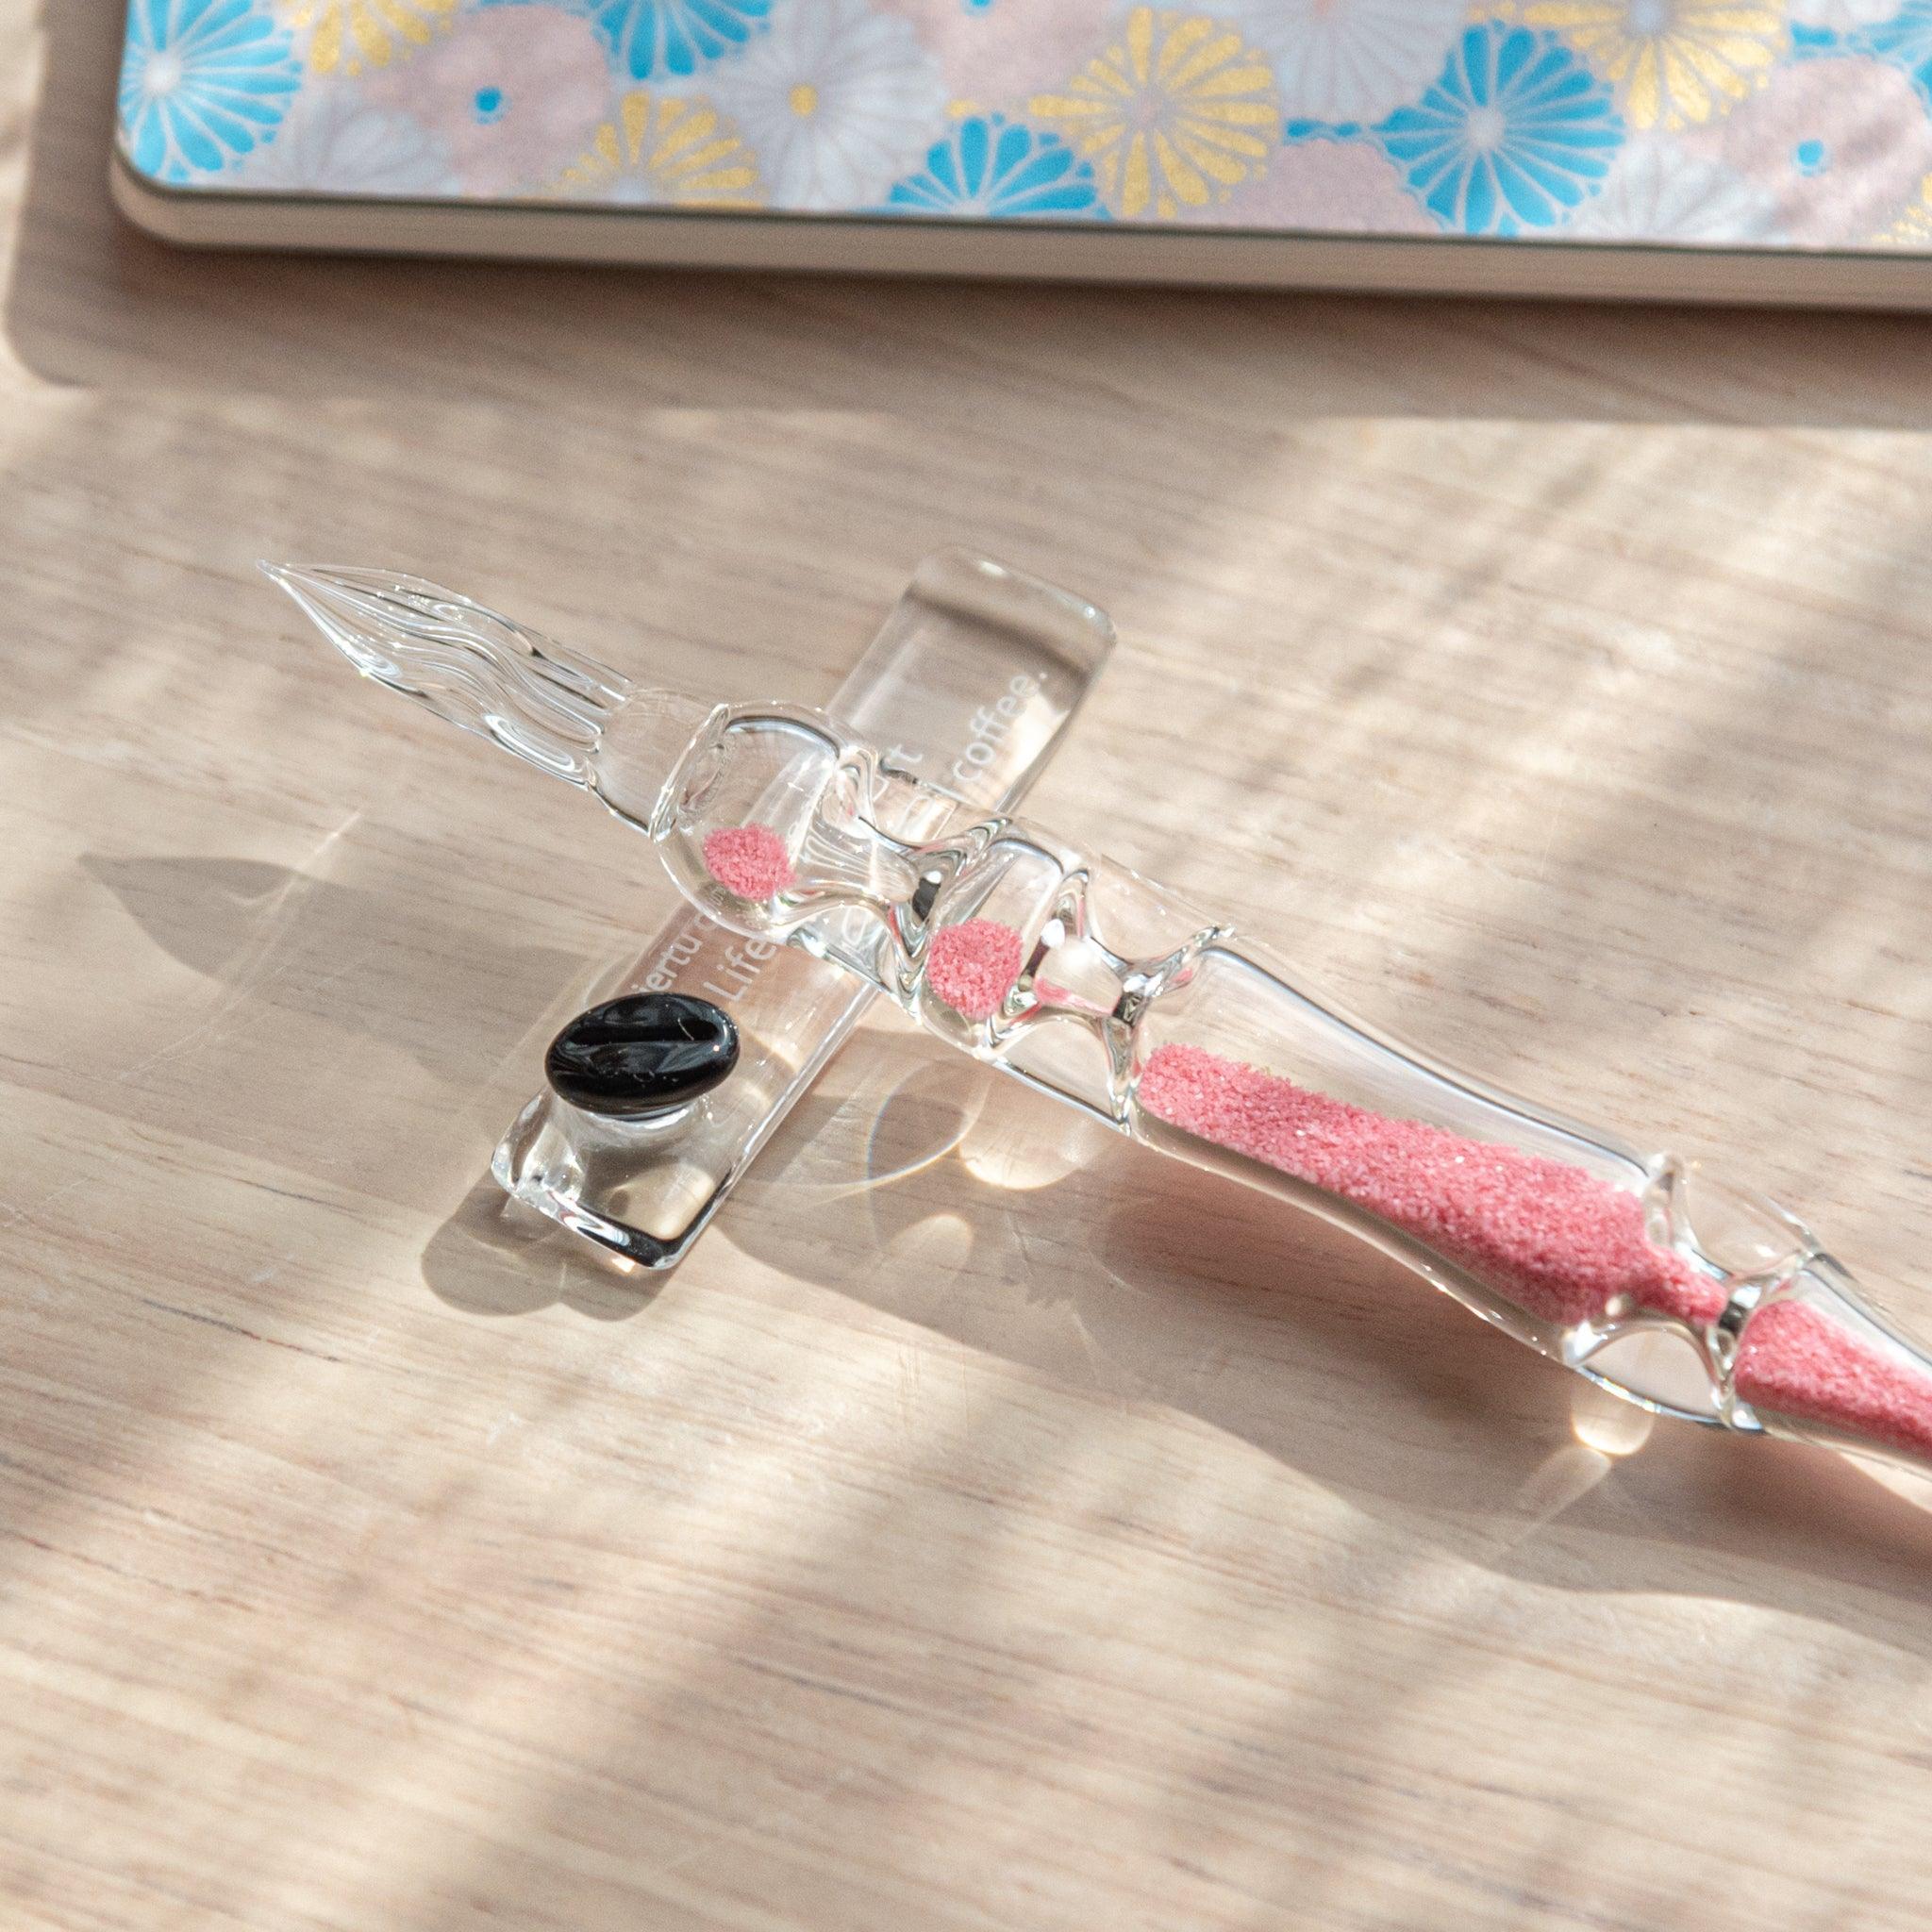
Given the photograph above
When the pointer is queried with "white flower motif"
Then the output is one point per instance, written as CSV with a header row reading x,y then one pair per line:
x,y
1843,16
835,101
336,141
1348,60
1655,191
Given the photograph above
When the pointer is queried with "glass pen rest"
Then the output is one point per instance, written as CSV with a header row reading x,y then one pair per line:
x,y
970,683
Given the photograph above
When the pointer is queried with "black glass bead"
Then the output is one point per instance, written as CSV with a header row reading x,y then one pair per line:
x,y
643,1053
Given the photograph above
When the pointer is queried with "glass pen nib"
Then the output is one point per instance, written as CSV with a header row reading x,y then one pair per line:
x,y
481,671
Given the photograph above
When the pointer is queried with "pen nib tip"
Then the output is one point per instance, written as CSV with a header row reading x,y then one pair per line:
x,y
481,671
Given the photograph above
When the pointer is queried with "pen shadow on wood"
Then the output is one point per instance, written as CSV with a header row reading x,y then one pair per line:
x,y
936,1195
944,1200
312,992
495,1257
1137,1279
345,955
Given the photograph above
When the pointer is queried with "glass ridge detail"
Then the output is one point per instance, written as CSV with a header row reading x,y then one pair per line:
x,y
1173,1027
481,672
886,864
974,677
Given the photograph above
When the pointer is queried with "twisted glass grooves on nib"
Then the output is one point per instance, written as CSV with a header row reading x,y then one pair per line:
x,y
481,671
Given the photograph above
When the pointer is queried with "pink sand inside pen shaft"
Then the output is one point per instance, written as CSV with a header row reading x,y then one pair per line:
x,y
1796,1361
750,861
973,965
1555,1239
1549,1236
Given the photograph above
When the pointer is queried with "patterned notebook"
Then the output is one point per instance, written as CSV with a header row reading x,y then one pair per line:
x,y
1787,124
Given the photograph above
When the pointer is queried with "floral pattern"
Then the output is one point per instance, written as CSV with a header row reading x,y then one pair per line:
x,y
1840,16
666,151
1348,61
1515,133
1001,53
1683,122
1324,185
1658,191
993,169
202,83
1673,63
337,141
1903,37
346,36
836,100
1175,115
662,39
1913,230
514,92
1842,145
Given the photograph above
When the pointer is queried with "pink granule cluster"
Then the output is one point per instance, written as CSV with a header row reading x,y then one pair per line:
x,y
1555,1239
750,861
971,966
1794,1359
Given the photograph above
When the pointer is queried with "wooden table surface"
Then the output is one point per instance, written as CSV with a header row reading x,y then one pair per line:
x,y
987,1527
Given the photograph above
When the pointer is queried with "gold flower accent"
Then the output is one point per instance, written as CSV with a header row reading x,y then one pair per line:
x,y
1178,114
1913,230
667,148
351,35
1674,63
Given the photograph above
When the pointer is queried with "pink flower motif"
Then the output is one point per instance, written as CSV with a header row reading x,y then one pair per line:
x,y
1839,144
517,92
996,56
1329,185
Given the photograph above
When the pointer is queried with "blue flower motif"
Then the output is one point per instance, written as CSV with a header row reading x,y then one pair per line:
x,y
1814,42
203,82
1514,133
991,166
650,39
1904,40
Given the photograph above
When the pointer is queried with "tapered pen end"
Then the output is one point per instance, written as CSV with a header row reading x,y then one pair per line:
x,y
481,671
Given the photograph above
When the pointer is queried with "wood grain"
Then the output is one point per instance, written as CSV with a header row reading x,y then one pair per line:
x,y
987,1528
